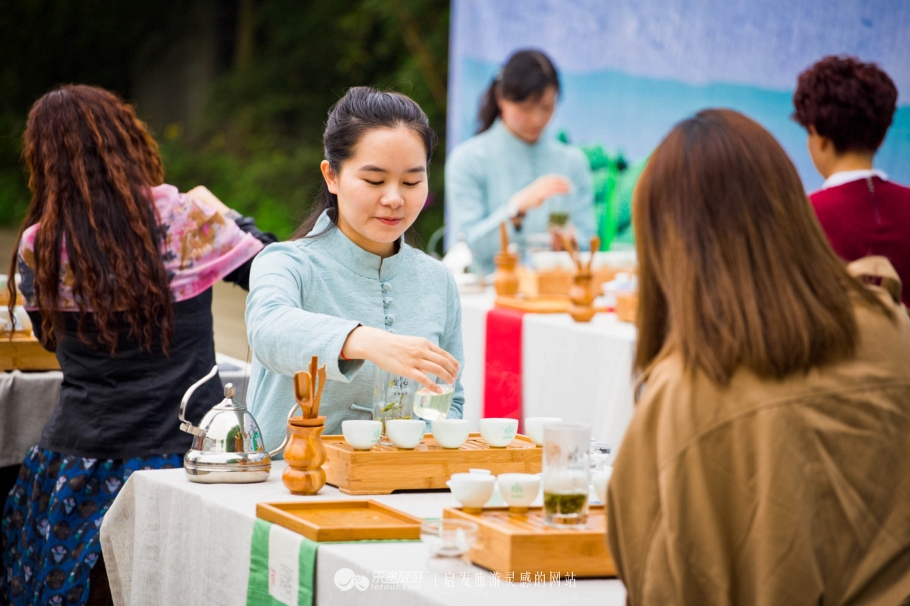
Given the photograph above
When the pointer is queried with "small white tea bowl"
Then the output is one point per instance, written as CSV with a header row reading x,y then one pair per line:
x,y
601,480
472,490
361,435
498,433
405,433
450,433
519,490
534,427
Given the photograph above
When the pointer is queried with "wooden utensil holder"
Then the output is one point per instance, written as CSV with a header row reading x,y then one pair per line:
x,y
581,299
305,455
506,280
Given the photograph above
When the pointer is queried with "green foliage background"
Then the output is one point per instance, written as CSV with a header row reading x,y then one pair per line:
x,y
259,145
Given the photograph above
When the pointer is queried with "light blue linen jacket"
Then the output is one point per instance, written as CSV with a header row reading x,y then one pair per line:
x,y
307,295
486,170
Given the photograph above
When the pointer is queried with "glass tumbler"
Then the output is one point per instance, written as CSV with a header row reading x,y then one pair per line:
x,y
566,471
393,398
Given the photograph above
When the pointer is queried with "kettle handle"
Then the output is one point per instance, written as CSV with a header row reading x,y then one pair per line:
x,y
193,388
287,434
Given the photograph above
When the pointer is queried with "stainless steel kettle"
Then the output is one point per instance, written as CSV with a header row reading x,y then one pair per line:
x,y
227,444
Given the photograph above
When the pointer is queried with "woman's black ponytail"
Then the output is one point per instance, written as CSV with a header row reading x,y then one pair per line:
x,y
526,75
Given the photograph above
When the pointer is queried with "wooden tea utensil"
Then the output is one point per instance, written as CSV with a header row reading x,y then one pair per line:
x,y
303,392
314,365
569,244
506,281
318,400
595,246
581,299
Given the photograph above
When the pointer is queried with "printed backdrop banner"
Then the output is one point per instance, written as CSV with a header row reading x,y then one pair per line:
x,y
631,69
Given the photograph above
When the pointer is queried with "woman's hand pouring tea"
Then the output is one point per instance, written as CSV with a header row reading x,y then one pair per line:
x,y
412,357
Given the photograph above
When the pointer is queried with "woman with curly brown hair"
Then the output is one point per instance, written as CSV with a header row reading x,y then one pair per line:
x,y
847,106
767,462
117,270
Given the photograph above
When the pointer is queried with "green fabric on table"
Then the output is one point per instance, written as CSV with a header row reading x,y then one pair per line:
x,y
258,588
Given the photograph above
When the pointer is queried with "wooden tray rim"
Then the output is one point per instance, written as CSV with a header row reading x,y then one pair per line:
x,y
539,304
281,512
478,518
336,442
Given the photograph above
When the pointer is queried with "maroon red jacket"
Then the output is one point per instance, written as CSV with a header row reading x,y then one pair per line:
x,y
868,217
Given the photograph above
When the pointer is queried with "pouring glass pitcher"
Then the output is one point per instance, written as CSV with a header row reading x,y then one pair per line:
x,y
227,444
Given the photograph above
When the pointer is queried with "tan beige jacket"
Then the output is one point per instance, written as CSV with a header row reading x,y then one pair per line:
x,y
771,492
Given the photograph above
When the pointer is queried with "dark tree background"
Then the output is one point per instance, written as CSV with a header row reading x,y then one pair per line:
x,y
235,91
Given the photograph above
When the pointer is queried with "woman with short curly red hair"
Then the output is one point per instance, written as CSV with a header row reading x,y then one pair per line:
x,y
847,106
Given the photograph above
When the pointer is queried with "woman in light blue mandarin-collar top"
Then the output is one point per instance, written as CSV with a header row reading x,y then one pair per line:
x,y
509,173
347,287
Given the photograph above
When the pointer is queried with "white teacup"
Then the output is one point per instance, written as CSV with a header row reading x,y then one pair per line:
x,y
534,427
498,432
472,490
519,490
601,480
405,433
450,433
361,435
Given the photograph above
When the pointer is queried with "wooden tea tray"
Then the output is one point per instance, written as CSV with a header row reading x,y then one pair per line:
x,y
539,305
24,352
520,543
536,305
550,283
351,520
385,469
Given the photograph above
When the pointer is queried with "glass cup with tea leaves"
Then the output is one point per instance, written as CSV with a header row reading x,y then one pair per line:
x,y
393,398
566,470
432,406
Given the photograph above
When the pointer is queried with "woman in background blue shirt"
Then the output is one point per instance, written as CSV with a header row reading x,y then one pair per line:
x,y
507,172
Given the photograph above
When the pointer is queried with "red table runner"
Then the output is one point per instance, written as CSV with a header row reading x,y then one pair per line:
x,y
502,379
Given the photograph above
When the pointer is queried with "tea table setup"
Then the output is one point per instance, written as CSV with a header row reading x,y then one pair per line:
x,y
224,530
170,541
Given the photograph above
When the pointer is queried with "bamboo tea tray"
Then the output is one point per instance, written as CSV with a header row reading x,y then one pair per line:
x,y
547,284
385,469
517,543
351,520
24,352
539,305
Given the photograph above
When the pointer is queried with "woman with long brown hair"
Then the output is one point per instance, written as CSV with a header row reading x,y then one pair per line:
x,y
768,459
117,270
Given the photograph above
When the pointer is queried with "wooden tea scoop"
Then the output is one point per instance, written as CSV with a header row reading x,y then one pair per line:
x,y
569,244
595,246
303,392
313,366
504,237
318,400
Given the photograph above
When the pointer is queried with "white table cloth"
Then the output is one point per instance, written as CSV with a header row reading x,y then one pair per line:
x,y
581,372
169,541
